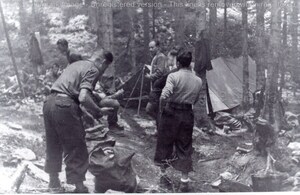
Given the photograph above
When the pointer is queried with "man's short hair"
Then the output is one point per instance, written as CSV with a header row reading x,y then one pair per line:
x,y
62,42
108,56
185,59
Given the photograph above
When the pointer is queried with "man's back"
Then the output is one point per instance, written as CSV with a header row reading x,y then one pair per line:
x,y
182,86
80,74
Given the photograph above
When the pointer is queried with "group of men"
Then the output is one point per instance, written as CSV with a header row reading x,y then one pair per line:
x,y
174,91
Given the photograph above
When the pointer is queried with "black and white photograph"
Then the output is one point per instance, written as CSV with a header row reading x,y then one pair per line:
x,y
149,96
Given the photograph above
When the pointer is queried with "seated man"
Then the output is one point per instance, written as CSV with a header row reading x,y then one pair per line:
x,y
110,101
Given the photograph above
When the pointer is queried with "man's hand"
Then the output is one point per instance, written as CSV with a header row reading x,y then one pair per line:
x,y
89,119
85,98
116,95
162,104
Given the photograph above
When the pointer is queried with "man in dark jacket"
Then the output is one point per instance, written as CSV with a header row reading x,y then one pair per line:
x,y
160,83
158,69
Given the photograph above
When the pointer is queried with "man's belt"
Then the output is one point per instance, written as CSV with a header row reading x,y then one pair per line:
x,y
57,93
60,94
180,106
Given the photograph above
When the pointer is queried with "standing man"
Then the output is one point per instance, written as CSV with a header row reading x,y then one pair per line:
x,y
175,128
65,135
63,47
160,83
158,68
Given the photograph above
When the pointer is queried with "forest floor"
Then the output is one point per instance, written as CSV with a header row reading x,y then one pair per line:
x,y
21,126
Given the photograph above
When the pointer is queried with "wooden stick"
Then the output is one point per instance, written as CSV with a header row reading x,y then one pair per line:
x,y
18,177
270,161
11,52
141,92
37,173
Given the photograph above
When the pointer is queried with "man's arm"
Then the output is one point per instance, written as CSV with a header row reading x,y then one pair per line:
x,y
86,100
116,95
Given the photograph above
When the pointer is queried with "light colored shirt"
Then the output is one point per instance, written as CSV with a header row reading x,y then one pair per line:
x,y
182,86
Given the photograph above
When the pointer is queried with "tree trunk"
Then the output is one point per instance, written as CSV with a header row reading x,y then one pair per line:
x,y
153,20
22,15
105,27
294,33
92,14
260,46
284,46
146,33
271,100
105,33
132,46
246,95
11,52
213,26
225,22
201,118
33,15
200,18
179,24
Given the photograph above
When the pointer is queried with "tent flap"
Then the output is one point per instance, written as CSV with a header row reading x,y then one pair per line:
x,y
225,82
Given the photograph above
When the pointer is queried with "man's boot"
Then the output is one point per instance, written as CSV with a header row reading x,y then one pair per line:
x,y
184,182
115,127
184,186
54,182
80,188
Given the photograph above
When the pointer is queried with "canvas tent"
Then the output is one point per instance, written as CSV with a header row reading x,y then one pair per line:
x,y
225,82
132,90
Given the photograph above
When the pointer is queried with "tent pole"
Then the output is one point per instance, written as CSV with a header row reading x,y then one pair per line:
x,y
141,92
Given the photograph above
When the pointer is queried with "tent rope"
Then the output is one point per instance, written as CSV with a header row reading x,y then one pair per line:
x,y
131,93
141,91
